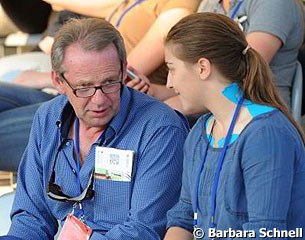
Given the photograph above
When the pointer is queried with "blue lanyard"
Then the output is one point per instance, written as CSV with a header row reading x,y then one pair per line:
x,y
77,154
218,170
77,151
78,159
118,23
236,9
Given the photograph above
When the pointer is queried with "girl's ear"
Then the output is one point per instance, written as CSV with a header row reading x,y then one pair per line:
x,y
204,67
58,82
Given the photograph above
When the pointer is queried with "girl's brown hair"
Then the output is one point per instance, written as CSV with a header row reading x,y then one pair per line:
x,y
219,39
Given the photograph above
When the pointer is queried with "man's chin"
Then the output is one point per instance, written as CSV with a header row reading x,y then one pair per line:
x,y
97,122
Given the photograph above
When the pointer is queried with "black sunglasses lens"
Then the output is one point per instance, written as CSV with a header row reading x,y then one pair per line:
x,y
56,190
89,194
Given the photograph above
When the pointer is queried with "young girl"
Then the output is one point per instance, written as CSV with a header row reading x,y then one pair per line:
x,y
244,162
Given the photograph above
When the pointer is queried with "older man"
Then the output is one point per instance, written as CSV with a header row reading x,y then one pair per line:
x,y
102,157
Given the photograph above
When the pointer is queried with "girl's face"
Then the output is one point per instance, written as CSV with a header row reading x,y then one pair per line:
x,y
184,78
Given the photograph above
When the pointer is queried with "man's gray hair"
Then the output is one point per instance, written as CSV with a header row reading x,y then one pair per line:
x,y
91,33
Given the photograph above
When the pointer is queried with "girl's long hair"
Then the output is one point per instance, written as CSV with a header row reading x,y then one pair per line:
x,y
219,39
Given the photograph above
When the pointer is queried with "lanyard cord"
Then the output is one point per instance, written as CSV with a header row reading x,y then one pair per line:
x,y
77,151
221,159
118,23
116,9
76,145
218,170
78,159
195,202
236,9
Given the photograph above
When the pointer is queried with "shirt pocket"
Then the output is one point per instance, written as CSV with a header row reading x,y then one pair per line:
x,y
112,202
235,197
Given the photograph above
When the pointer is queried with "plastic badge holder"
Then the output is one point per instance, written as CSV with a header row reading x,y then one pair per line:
x,y
74,229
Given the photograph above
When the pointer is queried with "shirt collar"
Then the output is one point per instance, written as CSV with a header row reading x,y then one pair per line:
x,y
66,119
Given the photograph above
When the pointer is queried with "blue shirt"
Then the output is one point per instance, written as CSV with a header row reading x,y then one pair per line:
x,y
119,210
261,184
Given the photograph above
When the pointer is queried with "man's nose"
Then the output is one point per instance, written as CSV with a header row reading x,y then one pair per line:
x,y
98,96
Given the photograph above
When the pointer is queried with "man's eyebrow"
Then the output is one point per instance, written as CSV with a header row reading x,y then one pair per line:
x,y
83,83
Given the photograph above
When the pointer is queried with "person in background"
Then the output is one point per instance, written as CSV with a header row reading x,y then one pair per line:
x,y
6,25
97,127
274,32
29,16
244,162
142,24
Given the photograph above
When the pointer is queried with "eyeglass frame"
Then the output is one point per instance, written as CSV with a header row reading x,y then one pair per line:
x,y
74,90
61,74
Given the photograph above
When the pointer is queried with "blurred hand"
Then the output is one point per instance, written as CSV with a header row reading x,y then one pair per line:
x,y
140,83
46,44
33,79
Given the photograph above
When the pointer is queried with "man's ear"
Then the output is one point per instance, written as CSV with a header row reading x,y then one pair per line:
x,y
204,68
58,82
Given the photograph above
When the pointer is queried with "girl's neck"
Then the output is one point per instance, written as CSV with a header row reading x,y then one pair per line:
x,y
223,105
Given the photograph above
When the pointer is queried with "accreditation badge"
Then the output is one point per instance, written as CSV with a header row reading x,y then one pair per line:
x,y
113,164
74,229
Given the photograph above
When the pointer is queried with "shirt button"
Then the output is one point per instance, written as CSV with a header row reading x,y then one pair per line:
x,y
73,170
67,143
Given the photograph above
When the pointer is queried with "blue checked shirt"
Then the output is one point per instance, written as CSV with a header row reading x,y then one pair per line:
x,y
119,210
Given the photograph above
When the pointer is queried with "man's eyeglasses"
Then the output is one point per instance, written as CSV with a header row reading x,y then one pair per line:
x,y
90,91
55,192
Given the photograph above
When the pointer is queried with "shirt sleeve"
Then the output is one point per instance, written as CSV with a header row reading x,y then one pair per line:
x,y
273,17
164,5
30,214
157,183
268,165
